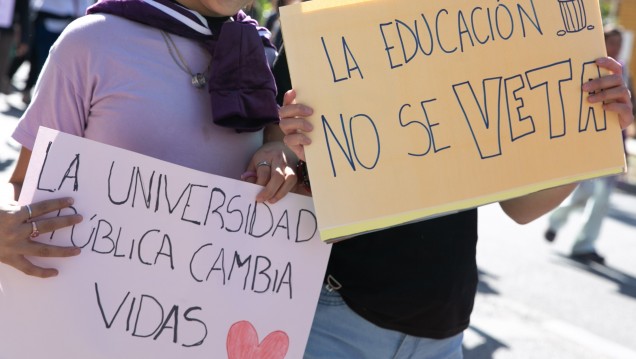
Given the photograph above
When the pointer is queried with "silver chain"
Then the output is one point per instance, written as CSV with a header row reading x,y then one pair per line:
x,y
198,79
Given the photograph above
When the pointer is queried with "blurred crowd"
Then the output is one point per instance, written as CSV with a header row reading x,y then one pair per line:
x,y
28,35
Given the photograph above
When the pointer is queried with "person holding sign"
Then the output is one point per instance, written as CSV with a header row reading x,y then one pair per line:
x,y
184,81
408,291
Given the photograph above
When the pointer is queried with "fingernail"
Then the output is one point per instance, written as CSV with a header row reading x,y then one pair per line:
x,y
248,174
70,201
307,111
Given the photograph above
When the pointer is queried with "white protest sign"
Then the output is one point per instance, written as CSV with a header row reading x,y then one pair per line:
x,y
175,263
6,14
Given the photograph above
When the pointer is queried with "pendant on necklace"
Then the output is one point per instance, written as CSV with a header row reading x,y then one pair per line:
x,y
198,81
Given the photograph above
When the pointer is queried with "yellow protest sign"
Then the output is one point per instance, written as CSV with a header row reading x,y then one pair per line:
x,y
427,107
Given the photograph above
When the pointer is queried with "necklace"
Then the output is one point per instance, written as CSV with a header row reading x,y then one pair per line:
x,y
198,79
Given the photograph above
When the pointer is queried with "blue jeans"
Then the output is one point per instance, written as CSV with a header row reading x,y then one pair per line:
x,y
339,333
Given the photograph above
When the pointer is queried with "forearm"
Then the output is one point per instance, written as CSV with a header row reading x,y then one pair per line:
x,y
19,173
526,209
273,133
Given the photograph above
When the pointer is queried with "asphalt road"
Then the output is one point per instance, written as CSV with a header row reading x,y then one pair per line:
x,y
534,302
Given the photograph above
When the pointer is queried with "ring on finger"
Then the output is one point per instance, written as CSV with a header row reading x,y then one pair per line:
x,y
34,232
28,207
263,163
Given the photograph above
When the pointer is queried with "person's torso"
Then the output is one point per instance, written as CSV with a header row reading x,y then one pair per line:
x,y
419,278
134,96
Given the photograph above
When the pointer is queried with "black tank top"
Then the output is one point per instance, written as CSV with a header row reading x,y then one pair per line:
x,y
419,279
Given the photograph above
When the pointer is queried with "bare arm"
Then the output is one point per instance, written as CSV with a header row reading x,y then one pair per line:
x,y
19,172
526,209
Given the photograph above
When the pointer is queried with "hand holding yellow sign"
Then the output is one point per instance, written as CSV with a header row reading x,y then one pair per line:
x,y
424,108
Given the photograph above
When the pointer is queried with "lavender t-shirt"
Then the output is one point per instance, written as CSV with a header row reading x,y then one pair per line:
x,y
114,81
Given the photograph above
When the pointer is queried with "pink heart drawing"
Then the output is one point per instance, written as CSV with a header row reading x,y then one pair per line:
x,y
242,343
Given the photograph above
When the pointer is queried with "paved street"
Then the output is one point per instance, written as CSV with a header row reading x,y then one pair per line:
x,y
533,301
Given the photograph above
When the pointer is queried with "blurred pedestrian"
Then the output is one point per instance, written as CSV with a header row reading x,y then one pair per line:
x,y
51,17
591,195
14,20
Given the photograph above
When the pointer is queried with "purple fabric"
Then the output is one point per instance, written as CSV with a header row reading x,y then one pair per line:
x,y
241,85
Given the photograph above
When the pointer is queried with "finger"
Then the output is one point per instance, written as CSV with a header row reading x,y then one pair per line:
x,y
249,176
289,97
624,111
48,206
268,192
52,224
288,185
603,83
610,64
272,184
296,139
295,110
296,143
616,94
22,264
26,212
36,249
294,125
263,174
